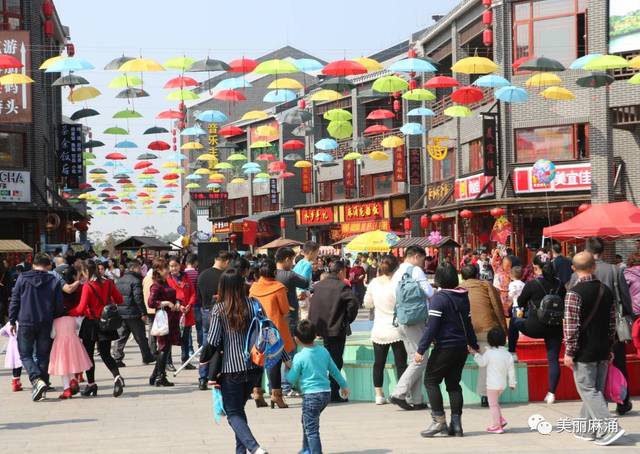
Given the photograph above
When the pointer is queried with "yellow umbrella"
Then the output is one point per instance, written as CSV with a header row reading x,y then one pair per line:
x,y
375,241
260,144
50,61
182,95
254,115
83,94
543,80
634,63
419,94
266,131
125,81
216,176
202,171
237,157
352,156
223,166
326,95
207,157
558,94
192,146
302,164
140,65
635,80
392,142
192,186
475,65
170,165
369,63
285,84
238,180
15,79
378,156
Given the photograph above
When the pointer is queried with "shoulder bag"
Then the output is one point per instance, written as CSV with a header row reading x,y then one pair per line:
x,y
624,323
110,319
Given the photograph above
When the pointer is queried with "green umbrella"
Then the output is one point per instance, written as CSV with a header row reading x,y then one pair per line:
x,y
180,63
338,115
419,94
237,157
182,95
127,114
116,131
340,129
390,84
125,81
88,155
458,111
223,166
276,67
606,62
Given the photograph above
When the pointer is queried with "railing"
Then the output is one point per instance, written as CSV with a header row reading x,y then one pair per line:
x,y
443,103
626,73
625,116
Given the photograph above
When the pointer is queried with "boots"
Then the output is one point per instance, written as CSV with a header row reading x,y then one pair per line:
x,y
16,385
276,399
455,428
162,381
258,397
66,394
438,425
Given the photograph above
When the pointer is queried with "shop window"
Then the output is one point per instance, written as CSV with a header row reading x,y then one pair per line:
x,y
476,159
383,184
551,28
11,149
11,14
239,207
445,168
331,190
366,186
557,143
324,191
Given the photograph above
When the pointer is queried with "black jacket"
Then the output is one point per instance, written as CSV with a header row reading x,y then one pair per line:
x,y
530,299
333,308
130,286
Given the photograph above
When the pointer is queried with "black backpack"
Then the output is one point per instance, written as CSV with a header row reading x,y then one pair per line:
x,y
551,309
110,319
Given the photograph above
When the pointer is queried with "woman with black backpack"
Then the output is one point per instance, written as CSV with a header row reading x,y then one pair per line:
x,y
543,301
98,294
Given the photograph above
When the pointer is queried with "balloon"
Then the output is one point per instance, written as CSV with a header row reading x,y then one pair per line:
x,y
543,172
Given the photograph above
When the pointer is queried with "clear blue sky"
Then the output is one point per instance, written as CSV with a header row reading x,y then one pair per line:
x,y
162,29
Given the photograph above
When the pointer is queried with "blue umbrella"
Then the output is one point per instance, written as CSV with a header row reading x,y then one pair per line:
x,y
252,170
69,64
213,186
212,116
412,129
232,83
308,64
260,180
326,144
193,131
126,144
280,96
250,164
492,81
322,157
177,157
421,112
193,176
105,185
512,94
413,65
110,164
580,62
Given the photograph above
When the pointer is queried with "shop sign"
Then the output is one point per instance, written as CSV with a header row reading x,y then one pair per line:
x,y
316,216
15,99
415,167
399,165
274,134
273,191
489,150
469,188
70,154
367,211
212,136
306,180
353,228
349,174
569,177
15,186
436,192
436,149
221,227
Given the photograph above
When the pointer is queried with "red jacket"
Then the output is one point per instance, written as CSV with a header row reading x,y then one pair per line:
x,y
186,295
90,305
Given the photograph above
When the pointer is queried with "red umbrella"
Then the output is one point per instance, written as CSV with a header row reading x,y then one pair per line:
x,y
143,194
142,165
229,95
85,186
168,196
9,62
171,176
380,114
116,208
112,197
159,145
109,190
467,95
123,181
293,145
286,175
150,171
441,82
242,65
277,166
231,130
180,82
171,185
342,68
265,157
376,129
169,115
115,156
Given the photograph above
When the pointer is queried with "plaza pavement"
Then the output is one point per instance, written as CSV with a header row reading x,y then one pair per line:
x,y
179,420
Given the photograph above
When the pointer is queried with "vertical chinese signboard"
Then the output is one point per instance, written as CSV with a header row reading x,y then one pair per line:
x,y
349,174
15,100
273,191
70,154
306,184
415,167
399,165
489,146
213,142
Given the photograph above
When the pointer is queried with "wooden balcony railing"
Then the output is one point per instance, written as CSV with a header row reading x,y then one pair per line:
x,y
443,103
626,73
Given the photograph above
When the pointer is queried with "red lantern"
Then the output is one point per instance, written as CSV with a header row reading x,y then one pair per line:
x,y
584,207
437,218
487,17
181,106
487,3
407,224
412,53
396,105
182,125
47,8
487,37
283,223
173,132
413,84
302,104
466,214
48,28
173,147
497,212
424,222
71,49
233,237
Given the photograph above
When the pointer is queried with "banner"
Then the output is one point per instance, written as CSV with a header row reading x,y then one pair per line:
x,y
70,150
436,192
249,232
15,186
399,165
415,166
316,216
353,228
624,26
569,177
366,211
273,191
469,188
489,150
306,177
15,100
349,174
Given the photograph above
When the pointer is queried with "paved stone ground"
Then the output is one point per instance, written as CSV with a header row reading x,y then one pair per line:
x,y
179,420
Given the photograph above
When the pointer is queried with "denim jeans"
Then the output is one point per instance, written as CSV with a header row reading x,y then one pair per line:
x,y
199,331
312,406
35,339
236,390
185,337
203,371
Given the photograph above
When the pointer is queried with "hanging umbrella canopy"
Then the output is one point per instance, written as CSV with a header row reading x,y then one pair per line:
x,y
147,156
276,66
285,83
340,129
116,63
279,96
337,84
302,164
292,157
192,146
266,131
558,94
84,113
580,62
352,156
230,131
192,186
512,94
474,65
242,65
209,65
45,64
169,165
182,95
237,157
295,116
88,155
69,64
277,166
229,95
193,131
81,94
343,68
302,131
125,81
212,116
380,114
115,156
254,115
412,129
337,115
441,82
458,111
326,144
233,83
169,115
181,82
326,95
260,144
542,64
208,157
156,130
389,84
543,80
69,80
142,165
376,129
179,63
308,64
93,144
127,114
138,65
132,93
596,80
392,142
116,131
15,79
635,80
375,241
420,112
293,145
634,63
378,156
369,63
467,95
126,144
419,94
606,62
413,65
159,145
491,81
323,157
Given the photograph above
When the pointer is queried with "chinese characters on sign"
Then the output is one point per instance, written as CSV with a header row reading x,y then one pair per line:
x,y
306,183
221,227
469,188
15,186
353,228
15,100
70,154
489,144
367,211
435,148
273,191
314,216
569,177
415,167
213,142
436,192
399,164
349,174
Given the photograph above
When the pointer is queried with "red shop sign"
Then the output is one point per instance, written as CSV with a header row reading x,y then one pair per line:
x,y
353,228
368,211
399,164
349,174
469,188
315,216
569,177
306,183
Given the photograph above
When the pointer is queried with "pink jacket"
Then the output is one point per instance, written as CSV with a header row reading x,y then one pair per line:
x,y
632,276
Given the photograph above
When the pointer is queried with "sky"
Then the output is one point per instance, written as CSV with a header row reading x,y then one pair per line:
x,y
163,29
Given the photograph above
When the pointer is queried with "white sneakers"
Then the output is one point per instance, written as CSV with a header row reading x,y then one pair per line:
x,y
550,398
381,400
260,451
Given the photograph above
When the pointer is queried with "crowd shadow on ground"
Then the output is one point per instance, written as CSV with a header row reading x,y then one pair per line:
x,y
34,424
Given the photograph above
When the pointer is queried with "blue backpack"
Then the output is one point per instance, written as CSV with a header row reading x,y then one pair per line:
x,y
263,346
411,301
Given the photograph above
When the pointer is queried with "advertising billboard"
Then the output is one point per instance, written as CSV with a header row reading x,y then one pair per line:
x,y
624,26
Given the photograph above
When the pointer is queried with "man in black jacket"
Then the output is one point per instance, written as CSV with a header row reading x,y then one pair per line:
x,y
332,309
133,313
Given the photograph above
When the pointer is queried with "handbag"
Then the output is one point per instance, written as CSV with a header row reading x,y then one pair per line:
x,y
624,323
110,319
160,325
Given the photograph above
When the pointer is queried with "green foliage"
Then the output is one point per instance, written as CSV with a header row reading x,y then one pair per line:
x,y
623,25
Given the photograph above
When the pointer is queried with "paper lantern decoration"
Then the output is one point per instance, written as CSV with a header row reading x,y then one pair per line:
x,y
424,222
497,212
466,214
543,172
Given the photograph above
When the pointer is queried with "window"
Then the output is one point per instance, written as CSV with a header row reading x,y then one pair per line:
x,y
550,28
11,14
11,149
557,143
383,184
476,158
331,190
263,203
238,207
446,168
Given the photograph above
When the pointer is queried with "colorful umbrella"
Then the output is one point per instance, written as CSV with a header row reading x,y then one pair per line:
x,y
512,94
127,114
182,95
46,64
93,144
285,83
209,65
541,64
375,241
237,157
277,166
233,83
229,95
70,80
420,112
276,67
491,81
389,84
212,116
340,129
293,145
116,131
323,157
352,156
260,144
343,68
126,144
69,64
302,164
337,115
238,180
580,62
419,94
142,165
115,156
265,157
606,62
558,94
376,129
159,145
378,156
125,81
84,113
392,142
254,115
230,131
156,130
147,156
634,63
117,62
635,80
458,111
266,131
338,84
380,114
326,144
441,82
242,65
295,116
474,65
140,65
169,115
181,82
179,63
326,95
292,157
81,94
596,80
132,93
279,96
413,65
412,129
543,80
467,95
193,131
192,146
308,64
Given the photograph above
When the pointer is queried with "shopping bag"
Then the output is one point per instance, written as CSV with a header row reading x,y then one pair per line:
x,y
615,386
160,325
218,407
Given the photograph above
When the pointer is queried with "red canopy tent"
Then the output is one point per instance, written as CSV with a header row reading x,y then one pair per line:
x,y
608,220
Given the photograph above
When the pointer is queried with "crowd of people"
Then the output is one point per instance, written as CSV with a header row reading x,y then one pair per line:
x,y
61,309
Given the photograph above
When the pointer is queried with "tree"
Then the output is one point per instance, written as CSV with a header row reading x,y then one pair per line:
x,y
150,230
170,237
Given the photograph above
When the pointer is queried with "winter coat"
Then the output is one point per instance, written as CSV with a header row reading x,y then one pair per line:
x,y
486,306
273,298
530,300
157,294
333,307
91,305
186,295
632,276
130,286
36,299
